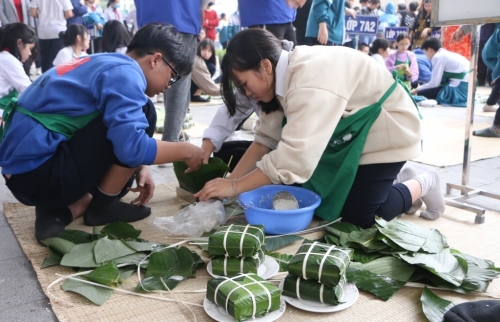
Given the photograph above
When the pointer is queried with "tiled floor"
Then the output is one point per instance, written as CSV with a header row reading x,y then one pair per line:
x,y
21,298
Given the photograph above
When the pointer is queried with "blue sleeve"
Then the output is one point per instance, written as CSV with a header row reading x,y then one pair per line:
x,y
320,10
120,98
78,8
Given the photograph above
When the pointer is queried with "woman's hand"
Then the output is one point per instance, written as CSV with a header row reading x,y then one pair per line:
x,y
208,147
145,186
217,188
414,92
425,33
322,33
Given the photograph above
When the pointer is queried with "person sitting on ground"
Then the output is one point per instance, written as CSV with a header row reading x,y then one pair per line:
x,y
403,62
364,48
16,42
81,131
380,50
349,158
450,76
424,68
205,65
115,37
76,41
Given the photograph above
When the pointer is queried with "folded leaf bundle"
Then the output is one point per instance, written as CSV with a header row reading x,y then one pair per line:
x,y
321,262
236,241
226,265
244,296
311,290
194,181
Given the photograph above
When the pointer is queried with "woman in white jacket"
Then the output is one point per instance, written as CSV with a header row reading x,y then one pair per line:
x,y
341,130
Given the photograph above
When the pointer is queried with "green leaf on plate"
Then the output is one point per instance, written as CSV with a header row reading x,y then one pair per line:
x,y
108,274
120,230
167,268
95,294
282,259
274,243
82,255
106,249
382,287
75,236
433,306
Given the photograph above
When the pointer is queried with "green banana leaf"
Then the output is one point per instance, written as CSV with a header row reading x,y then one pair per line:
x,y
392,267
107,249
120,230
75,236
226,265
134,258
382,287
361,256
82,255
274,243
57,248
282,259
443,264
168,268
433,306
412,237
312,290
108,274
236,241
194,181
241,304
144,246
53,260
349,235
95,294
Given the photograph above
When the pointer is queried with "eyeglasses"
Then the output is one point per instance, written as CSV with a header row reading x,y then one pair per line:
x,y
176,76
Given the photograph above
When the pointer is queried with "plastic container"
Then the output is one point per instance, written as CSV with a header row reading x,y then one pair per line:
x,y
258,206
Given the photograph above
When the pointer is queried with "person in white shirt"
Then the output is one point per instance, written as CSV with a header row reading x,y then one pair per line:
x,y
16,42
450,76
380,50
76,41
113,11
52,15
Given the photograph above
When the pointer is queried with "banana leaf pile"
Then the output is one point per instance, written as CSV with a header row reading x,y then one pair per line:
x,y
244,296
390,254
318,273
194,181
226,265
112,255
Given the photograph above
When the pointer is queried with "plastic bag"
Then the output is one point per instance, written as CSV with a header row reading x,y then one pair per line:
x,y
194,220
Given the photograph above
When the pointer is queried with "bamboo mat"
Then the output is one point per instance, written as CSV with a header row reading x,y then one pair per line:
x,y
443,143
456,225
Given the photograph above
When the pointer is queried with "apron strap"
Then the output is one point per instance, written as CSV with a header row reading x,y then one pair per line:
x,y
388,93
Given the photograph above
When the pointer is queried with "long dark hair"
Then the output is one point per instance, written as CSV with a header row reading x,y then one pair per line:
x,y
110,2
10,33
69,36
204,44
114,35
167,40
422,13
245,52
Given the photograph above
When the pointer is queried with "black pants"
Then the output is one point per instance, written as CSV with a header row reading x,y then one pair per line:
x,y
430,93
234,149
373,194
493,99
48,51
310,41
281,31
76,167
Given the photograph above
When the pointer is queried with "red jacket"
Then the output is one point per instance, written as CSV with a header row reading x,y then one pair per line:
x,y
211,22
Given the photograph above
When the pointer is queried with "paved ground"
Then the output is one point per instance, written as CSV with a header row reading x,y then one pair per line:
x,y
21,298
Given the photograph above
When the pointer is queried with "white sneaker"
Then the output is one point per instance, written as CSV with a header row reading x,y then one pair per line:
x,y
490,108
428,103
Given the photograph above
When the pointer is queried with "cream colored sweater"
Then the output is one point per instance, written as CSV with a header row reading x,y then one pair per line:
x,y
316,87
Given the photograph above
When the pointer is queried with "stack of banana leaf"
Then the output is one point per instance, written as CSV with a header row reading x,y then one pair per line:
x,y
390,254
236,249
318,273
244,296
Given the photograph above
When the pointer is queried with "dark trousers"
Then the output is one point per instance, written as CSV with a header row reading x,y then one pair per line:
x,y
48,51
76,167
493,99
430,93
281,31
373,194
232,150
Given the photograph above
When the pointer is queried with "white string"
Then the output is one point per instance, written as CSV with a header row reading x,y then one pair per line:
x,y
225,265
297,288
321,293
324,246
225,237
323,262
304,263
242,239
227,230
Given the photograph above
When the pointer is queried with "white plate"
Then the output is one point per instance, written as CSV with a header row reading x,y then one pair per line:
x,y
350,296
266,270
219,314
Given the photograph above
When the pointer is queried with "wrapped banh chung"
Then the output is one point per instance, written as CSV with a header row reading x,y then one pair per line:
x,y
321,262
244,296
236,241
226,265
311,290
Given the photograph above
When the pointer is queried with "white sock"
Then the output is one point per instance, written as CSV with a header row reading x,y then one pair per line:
x,y
432,195
404,175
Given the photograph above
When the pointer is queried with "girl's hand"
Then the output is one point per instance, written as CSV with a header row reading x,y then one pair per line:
x,y
322,33
425,33
145,186
217,188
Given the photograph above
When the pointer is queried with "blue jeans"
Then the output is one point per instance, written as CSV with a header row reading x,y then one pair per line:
x,y
176,101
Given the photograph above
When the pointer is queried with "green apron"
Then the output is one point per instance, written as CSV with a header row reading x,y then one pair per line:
x,y
400,74
333,177
445,79
59,123
4,101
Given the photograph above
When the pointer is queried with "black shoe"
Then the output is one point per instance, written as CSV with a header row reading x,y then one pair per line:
x,y
199,99
49,223
184,137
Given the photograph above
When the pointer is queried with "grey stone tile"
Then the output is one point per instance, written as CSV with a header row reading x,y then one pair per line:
x,y
39,311
10,246
19,281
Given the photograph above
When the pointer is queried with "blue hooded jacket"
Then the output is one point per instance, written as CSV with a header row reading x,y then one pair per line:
x,y
424,66
331,12
491,53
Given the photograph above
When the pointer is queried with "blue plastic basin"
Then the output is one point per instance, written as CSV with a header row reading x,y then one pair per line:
x,y
258,206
